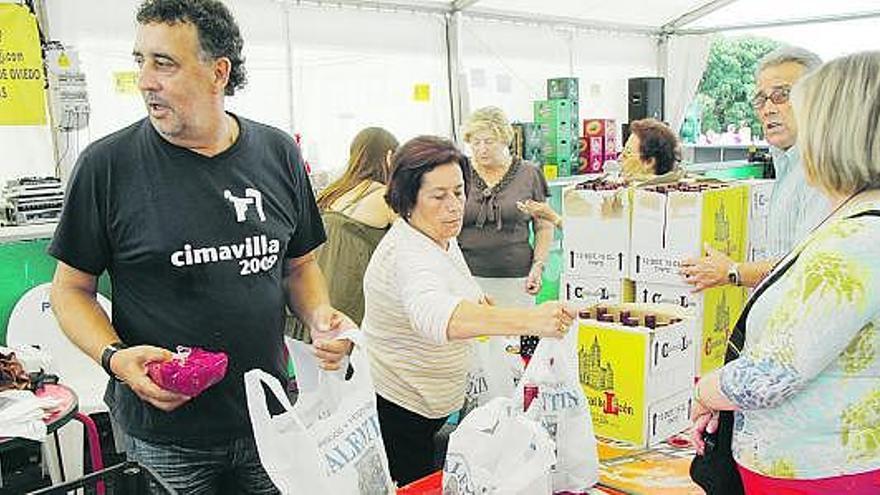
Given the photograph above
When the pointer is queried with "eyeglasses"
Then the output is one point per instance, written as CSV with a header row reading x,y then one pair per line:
x,y
629,152
778,96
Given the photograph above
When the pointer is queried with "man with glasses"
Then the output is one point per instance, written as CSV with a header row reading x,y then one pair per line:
x,y
795,207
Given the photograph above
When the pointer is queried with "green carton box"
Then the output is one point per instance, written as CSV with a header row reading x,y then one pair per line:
x,y
563,87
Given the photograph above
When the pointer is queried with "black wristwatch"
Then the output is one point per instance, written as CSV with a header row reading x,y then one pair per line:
x,y
733,275
107,353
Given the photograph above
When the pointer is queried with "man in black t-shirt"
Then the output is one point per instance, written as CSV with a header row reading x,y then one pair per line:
x,y
206,224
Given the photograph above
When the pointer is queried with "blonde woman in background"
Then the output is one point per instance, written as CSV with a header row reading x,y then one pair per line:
x,y
356,218
495,235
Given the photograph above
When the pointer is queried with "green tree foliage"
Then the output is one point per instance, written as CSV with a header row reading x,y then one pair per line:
x,y
728,84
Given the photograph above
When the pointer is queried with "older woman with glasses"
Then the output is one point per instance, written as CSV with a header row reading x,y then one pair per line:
x,y
803,378
495,235
651,150
651,154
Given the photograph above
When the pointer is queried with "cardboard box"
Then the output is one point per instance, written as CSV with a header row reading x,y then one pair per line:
x,y
604,128
587,291
714,313
527,138
599,145
596,230
561,148
758,247
554,131
637,380
556,113
534,154
595,155
562,87
670,227
567,165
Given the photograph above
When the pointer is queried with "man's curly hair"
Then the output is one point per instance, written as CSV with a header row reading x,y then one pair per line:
x,y
219,35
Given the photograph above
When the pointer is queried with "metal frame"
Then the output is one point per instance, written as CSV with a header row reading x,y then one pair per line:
x,y
791,22
672,27
379,5
693,15
459,5
559,22
466,7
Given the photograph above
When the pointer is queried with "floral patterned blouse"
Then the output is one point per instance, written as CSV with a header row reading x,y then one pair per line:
x,y
808,380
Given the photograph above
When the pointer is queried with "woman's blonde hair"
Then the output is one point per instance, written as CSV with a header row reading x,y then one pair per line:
x,y
366,160
490,119
837,109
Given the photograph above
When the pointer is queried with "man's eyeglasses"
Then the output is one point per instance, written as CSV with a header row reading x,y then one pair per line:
x,y
778,96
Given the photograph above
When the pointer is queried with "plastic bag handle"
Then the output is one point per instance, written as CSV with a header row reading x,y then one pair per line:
x,y
253,380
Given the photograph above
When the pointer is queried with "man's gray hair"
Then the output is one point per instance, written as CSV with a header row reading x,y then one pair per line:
x,y
785,54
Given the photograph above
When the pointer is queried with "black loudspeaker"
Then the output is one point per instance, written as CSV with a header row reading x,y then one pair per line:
x,y
646,98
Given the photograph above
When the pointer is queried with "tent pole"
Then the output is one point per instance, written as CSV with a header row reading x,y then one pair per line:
x,y
454,71
288,50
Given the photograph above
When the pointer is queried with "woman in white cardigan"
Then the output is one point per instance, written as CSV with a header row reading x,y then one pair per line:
x,y
423,306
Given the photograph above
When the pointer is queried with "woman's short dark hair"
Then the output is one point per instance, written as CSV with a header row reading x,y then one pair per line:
x,y
412,161
219,35
659,142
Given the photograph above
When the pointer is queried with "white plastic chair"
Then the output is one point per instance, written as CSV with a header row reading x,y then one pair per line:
x,y
33,323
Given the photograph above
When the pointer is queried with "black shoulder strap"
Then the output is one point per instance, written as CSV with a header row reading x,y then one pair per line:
x,y
738,334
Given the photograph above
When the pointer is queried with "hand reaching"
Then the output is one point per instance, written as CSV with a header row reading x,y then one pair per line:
x,y
708,271
327,323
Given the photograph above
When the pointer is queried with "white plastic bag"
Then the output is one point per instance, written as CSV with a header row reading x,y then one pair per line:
x,y
329,442
561,407
497,450
494,372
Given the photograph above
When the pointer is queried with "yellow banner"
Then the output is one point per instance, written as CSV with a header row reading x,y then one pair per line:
x,y
22,83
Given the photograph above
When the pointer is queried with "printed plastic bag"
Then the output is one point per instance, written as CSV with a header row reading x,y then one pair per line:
x,y
497,450
495,371
556,400
329,442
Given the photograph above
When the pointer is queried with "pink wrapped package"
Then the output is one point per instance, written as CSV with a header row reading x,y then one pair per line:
x,y
190,371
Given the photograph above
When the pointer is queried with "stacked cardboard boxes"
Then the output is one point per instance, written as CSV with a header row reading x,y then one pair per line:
x,y
528,142
672,223
637,374
758,247
596,244
598,145
558,120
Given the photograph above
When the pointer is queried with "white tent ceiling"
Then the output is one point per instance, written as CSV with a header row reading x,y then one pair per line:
x,y
645,16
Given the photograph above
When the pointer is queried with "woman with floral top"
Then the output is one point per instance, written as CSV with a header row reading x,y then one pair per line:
x,y
805,389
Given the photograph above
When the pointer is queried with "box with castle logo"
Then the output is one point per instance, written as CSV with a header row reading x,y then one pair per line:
x,y
636,366
673,222
714,311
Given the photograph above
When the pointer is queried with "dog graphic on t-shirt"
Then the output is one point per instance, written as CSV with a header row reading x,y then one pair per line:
x,y
241,205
